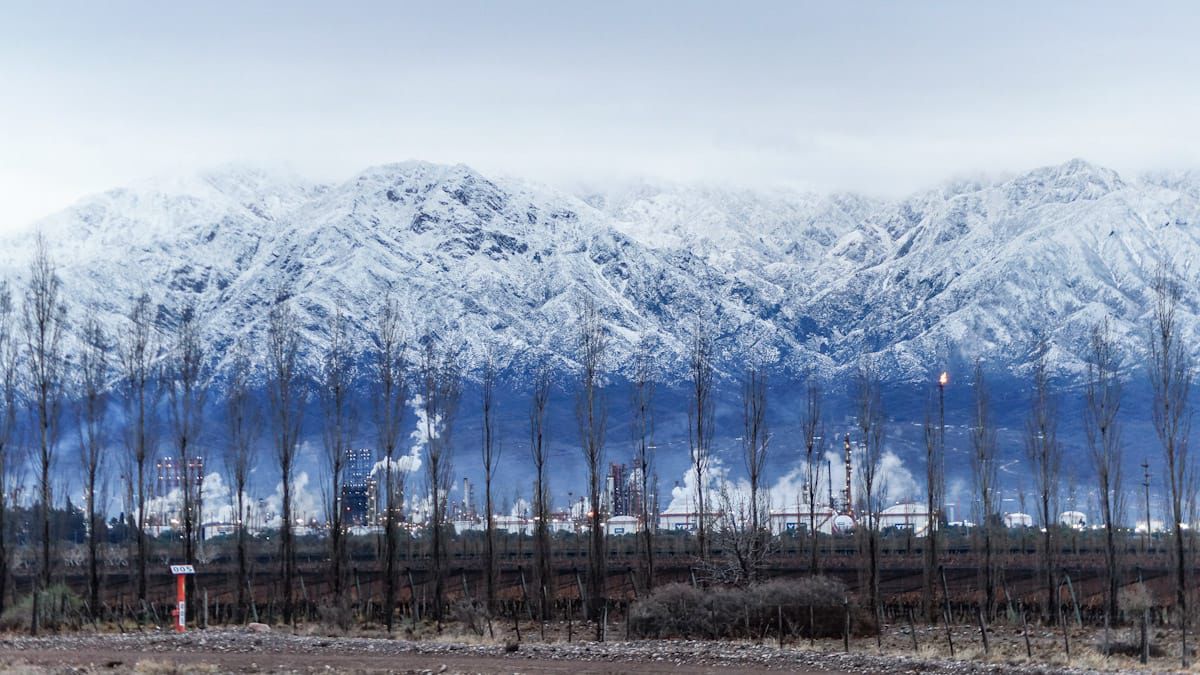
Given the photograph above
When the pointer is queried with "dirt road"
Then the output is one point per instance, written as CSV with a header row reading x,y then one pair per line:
x,y
94,660
240,652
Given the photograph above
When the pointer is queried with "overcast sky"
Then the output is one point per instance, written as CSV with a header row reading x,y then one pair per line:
x,y
883,98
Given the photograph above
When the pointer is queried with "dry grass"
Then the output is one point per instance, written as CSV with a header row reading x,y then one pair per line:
x,y
156,667
1007,646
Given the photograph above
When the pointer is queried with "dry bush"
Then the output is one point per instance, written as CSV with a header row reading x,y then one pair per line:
x,y
336,617
471,614
58,608
1134,599
673,610
679,610
794,598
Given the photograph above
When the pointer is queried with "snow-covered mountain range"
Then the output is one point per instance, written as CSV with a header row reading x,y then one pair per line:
x,y
794,281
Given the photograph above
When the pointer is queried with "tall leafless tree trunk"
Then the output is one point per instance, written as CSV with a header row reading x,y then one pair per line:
x,y
813,432
755,441
45,316
869,408
1045,455
286,398
643,439
390,395
491,457
441,384
138,352
984,474
9,355
335,406
1103,401
935,457
1171,372
242,419
92,410
539,450
701,414
591,414
183,379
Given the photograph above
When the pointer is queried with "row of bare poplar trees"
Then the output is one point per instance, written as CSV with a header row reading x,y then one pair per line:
x,y
159,382
745,543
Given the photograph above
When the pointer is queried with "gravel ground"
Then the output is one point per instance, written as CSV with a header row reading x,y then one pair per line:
x,y
244,651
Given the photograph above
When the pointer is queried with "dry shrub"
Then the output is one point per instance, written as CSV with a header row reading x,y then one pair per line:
x,y
58,608
679,610
794,598
336,618
674,610
1135,598
471,614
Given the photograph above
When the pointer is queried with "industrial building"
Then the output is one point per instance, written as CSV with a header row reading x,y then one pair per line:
x,y
359,490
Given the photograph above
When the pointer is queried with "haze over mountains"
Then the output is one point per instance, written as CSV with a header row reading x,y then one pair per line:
x,y
795,282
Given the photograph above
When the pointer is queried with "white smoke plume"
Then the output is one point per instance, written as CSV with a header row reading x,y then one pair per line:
x,y
895,480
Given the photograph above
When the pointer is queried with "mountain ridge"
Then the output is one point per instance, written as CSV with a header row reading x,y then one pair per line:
x,y
797,282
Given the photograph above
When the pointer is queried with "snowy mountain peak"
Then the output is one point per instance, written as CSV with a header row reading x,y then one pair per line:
x,y
1074,180
796,281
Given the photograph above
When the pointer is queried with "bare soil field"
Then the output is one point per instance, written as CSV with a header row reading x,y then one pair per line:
x,y
281,651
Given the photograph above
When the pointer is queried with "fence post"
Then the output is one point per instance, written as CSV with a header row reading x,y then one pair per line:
x,y
846,633
1074,600
779,613
1025,632
1066,629
987,650
946,609
582,596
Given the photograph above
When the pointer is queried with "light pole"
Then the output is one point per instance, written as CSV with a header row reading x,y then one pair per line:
x,y
942,382
935,494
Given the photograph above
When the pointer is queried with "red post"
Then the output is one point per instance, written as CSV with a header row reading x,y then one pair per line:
x,y
180,613
180,602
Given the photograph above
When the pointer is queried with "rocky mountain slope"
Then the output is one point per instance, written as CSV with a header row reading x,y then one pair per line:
x,y
796,282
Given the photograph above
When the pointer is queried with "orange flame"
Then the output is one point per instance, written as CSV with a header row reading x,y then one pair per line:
x,y
944,379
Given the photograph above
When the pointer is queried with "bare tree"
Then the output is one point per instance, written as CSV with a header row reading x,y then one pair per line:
x,y
335,407
45,316
1103,402
91,411
701,414
984,475
491,456
9,355
739,553
591,414
935,457
1045,454
869,404
138,351
643,433
243,420
755,441
183,379
539,450
813,431
286,398
390,395
441,384
1171,372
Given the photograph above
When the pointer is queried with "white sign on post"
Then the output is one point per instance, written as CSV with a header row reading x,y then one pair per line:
x,y
183,569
